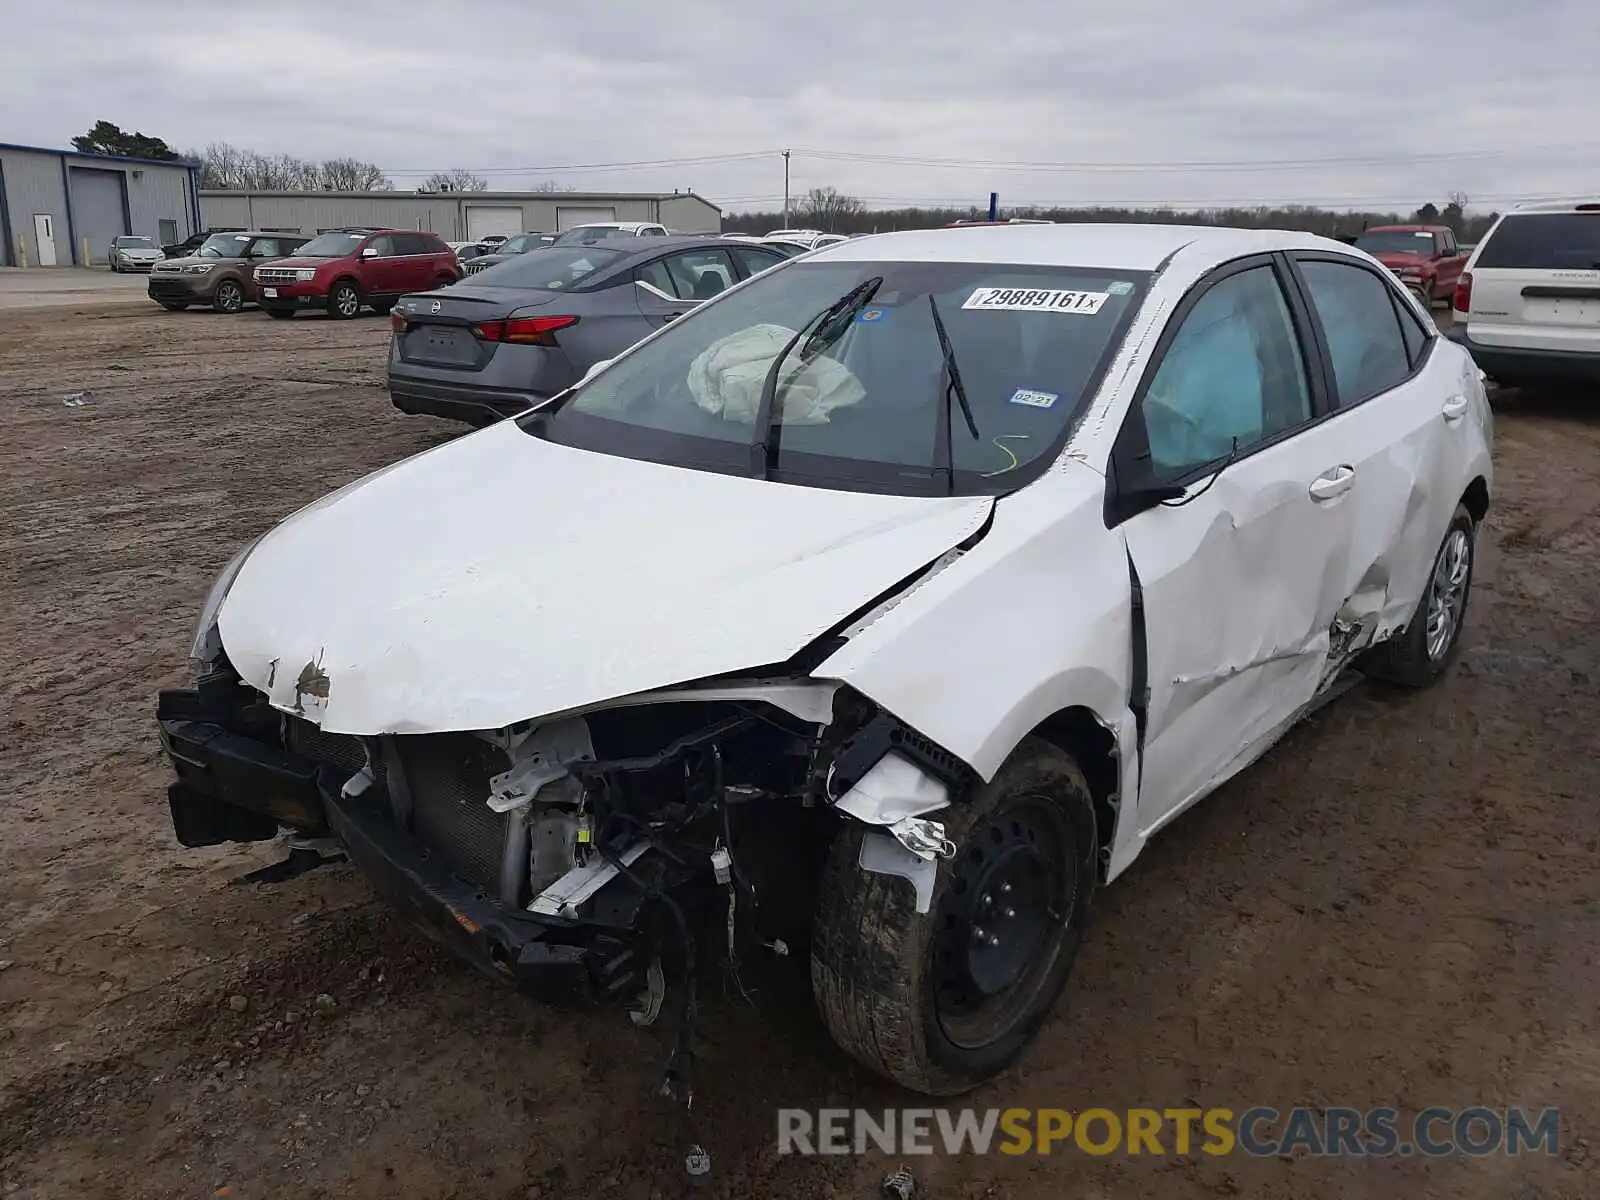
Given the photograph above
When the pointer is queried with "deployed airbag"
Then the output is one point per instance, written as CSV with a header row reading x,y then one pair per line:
x,y
726,377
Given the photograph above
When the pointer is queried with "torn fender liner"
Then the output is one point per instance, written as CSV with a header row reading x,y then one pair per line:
x,y
502,577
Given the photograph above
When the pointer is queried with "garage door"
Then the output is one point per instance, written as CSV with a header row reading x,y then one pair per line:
x,y
96,209
566,218
484,219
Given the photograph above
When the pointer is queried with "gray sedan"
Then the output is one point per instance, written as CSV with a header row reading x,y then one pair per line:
x,y
527,328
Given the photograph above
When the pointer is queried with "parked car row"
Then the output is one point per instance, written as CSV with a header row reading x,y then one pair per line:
x,y
339,272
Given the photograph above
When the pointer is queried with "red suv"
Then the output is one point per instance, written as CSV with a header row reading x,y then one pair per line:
x,y
343,269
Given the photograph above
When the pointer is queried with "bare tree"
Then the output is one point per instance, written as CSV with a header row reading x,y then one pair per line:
x,y
825,206
1459,199
352,175
226,167
550,185
456,179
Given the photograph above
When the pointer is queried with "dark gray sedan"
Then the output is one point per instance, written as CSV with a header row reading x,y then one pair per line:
x,y
525,329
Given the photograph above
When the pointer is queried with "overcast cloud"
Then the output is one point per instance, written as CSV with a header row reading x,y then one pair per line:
x,y
1413,98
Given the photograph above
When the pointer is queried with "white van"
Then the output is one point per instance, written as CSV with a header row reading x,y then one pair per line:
x,y
1528,304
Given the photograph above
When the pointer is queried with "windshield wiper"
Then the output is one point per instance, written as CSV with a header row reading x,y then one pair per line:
x,y
946,434
829,325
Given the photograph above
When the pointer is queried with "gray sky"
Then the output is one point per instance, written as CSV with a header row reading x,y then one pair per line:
x,y
1344,102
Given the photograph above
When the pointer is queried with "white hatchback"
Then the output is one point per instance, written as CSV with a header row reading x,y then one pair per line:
x,y
884,607
1528,304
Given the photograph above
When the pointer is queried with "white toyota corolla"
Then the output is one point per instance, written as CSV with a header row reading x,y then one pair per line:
x,y
880,609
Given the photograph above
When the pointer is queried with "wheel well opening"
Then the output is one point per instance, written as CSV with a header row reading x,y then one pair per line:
x,y
1077,732
1476,498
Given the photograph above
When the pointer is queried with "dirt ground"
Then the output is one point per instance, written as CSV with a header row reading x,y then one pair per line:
x,y
1398,906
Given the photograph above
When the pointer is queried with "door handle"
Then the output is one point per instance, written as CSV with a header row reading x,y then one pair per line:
x,y
1454,408
1332,483
671,316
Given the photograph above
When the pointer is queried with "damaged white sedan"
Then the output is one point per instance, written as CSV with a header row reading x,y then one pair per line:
x,y
879,609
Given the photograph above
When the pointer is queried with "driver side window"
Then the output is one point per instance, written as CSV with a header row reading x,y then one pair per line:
x,y
1233,376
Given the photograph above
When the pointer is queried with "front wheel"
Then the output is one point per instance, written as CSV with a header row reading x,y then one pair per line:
x,y
1420,654
229,297
942,1001
344,301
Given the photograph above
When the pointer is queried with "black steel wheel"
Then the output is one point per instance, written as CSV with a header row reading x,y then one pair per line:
x,y
942,1001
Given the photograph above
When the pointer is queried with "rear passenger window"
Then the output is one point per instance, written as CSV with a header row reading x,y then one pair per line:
x,y
413,243
657,276
1233,376
1416,337
1361,325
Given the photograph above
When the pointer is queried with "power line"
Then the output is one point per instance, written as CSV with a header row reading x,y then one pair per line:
x,y
1070,167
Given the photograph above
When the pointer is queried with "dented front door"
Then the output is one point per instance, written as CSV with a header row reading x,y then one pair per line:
x,y
1240,574
1240,586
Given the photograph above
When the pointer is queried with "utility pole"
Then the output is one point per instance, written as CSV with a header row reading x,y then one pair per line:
x,y
786,189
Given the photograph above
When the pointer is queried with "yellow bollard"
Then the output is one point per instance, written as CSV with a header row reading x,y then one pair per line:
x,y
22,251
86,260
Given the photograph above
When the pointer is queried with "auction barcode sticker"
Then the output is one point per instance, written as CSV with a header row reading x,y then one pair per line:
x,y
1054,300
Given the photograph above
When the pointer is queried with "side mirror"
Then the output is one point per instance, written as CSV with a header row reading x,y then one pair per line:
x,y
369,252
595,370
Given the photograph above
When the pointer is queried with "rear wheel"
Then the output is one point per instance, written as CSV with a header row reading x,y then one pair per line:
x,y
344,300
1418,656
280,314
942,1001
229,297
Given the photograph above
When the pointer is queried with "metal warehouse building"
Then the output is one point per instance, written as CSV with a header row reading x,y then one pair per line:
x,y
60,207
454,216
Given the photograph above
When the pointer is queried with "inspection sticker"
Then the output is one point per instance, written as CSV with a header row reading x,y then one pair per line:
x,y
1034,399
1054,300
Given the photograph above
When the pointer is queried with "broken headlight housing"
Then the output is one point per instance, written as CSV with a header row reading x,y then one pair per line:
x,y
206,647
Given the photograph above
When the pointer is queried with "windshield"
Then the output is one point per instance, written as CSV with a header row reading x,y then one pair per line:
x,y
1396,242
586,235
331,245
138,243
1545,242
224,245
550,269
520,244
864,403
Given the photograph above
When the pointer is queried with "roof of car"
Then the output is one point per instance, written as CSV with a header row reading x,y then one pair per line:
x,y
1403,228
1581,204
1108,246
614,225
632,245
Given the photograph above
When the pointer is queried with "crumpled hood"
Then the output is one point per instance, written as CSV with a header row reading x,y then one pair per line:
x,y
501,577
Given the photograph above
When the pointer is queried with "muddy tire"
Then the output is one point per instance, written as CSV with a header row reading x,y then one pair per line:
x,y
942,1001
1423,651
344,300
229,297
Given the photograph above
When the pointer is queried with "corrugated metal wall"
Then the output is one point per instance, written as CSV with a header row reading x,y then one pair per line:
x,y
34,185
157,194
445,215
690,214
